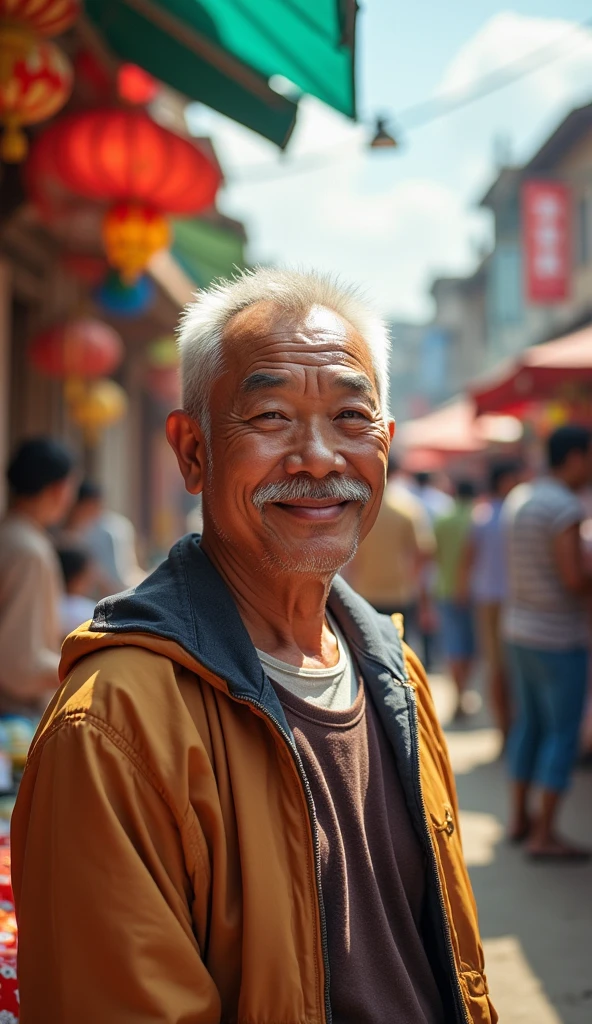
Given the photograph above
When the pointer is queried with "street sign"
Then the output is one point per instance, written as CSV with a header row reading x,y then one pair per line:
x,y
546,227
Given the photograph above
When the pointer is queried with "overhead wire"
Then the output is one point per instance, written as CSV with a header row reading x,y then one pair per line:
x,y
425,112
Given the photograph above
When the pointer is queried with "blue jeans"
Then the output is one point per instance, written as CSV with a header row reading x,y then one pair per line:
x,y
457,633
549,692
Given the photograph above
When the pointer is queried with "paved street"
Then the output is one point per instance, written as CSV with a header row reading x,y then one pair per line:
x,y
536,920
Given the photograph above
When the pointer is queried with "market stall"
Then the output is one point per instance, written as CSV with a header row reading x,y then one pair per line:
x,y
558,371
452,433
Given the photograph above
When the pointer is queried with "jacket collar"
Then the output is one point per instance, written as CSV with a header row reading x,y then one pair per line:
x,y
187,601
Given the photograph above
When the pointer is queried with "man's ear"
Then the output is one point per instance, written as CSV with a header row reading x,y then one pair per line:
x,y
188,443
391,428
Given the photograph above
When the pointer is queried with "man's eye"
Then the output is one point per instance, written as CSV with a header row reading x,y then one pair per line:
x,y
270,416
352,414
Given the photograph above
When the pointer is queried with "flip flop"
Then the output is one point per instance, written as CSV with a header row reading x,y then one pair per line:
x,y
515,838
564,856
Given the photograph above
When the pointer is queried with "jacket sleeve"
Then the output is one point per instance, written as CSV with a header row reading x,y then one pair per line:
x,y
102,893
471,961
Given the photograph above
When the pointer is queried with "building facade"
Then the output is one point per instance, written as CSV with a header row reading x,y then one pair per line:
x,y
488,316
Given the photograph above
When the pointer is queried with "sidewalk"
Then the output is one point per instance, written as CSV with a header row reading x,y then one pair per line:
x,y
536,920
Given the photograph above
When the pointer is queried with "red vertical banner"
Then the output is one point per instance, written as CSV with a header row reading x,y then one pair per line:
x,y
546,227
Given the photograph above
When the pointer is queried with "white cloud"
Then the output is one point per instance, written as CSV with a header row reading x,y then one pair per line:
x,y
509,37
527,109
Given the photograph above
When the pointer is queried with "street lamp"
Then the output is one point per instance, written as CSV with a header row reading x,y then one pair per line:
x,y
382,139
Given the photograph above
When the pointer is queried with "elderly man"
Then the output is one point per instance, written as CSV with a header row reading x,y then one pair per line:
x,y
239,807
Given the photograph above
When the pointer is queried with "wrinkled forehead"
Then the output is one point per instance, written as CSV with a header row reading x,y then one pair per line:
x,y
265,331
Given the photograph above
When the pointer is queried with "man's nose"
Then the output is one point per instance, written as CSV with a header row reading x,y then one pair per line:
x,y
315,452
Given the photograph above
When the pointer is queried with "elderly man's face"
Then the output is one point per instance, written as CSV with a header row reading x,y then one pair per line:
x,y
298,446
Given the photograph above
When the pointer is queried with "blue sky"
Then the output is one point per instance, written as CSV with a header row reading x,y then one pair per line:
x,y
390,220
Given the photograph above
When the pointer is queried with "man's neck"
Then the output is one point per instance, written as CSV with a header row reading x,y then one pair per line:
x,y
560,477
284,614
28,509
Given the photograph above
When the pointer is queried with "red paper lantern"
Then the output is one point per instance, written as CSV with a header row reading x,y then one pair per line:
x,y
135,85
122,155
46,18
38,87
81,348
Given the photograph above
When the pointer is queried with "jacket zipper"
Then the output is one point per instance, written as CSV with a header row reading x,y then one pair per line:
x,y
428,835
315,840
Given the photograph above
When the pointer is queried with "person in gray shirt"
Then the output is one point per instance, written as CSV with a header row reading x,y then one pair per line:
x,y
546,626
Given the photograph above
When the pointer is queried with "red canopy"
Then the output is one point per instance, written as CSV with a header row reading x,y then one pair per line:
x,y
537,373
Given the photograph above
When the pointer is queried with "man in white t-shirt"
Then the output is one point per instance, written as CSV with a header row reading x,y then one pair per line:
x,y
547,629
41,486
109,537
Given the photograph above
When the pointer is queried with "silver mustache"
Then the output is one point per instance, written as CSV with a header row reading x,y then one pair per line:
x,y
337,487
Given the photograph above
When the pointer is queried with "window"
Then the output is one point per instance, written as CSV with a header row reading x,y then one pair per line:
x,y
582,232
505,284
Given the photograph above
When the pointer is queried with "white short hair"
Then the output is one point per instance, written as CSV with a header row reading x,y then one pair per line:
x,y
204,321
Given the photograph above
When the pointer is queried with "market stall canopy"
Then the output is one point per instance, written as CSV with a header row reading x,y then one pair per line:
x,y
536,374
223,52
453,430
206,250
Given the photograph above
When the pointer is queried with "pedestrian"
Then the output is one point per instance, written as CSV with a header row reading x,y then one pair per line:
x,y
40,479
76,605
108,536
547,630
436,501
388,568
457,633
240,807
484,581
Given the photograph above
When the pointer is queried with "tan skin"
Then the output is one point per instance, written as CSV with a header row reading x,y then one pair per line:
x,y
296,397
576,473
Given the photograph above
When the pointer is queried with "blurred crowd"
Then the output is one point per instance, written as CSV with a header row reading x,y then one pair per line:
x,y
493,577
61,549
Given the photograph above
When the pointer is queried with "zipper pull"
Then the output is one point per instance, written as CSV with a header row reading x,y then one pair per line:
x,y
447,825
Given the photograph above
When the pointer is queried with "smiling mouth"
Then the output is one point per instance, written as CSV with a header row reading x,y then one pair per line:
x,y
319,510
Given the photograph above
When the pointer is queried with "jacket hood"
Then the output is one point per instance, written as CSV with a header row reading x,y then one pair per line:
x,y
185,611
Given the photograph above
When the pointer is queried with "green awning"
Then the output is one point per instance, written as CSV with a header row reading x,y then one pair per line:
x,y
206,251
222,52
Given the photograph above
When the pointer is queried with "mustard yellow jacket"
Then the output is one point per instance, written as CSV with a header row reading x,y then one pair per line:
x,y
164,842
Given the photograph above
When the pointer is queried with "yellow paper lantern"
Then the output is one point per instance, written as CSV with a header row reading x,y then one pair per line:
x,y
132,234
103,403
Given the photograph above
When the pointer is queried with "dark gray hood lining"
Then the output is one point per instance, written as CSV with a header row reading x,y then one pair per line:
x,y
186,600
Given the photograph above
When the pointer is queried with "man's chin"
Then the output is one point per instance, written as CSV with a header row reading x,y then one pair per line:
x,y
314,560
